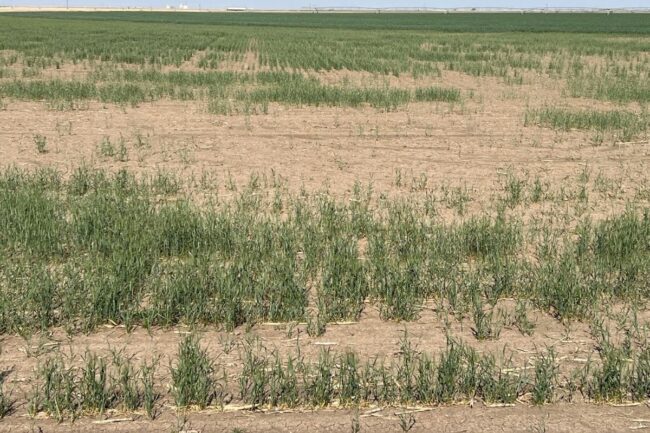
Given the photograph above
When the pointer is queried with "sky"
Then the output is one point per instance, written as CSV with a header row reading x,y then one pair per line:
x,y
297,4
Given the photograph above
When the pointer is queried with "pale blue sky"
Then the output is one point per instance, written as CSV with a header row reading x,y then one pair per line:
x,y
286,4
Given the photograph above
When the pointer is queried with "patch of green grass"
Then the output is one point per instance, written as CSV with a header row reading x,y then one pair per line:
x,y
611,88
430,94
624,125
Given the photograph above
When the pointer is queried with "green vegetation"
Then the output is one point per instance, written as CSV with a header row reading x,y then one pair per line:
x,y
223,89
192,378
624,88
63,389
242,62
41,143
456,374
624,125
461,22
546,373
99,247
437,94
86,248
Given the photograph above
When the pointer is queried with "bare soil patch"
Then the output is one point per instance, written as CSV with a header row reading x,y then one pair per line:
x,y
561,418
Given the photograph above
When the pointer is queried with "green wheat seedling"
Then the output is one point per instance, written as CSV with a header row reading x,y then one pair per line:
x,y
521,320
406,369
122,154
437,94
125,382
283,383
487,325
450,370
640,379
106,148
459,373
58,394
321,386
193,381
316,324
607,86
406,421
495,384
254,380
537,191
95,394
349,386
355,426
610,380
546,372
149,394
515,190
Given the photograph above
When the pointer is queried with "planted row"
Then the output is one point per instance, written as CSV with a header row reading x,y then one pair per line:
x,y
66,389
97,247
293,89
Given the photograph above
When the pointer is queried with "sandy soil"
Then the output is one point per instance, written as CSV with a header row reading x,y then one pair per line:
x,y
462,144
554,419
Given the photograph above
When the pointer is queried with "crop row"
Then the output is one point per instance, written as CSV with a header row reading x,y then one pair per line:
x,y
624,125
220,91
97,248
65,388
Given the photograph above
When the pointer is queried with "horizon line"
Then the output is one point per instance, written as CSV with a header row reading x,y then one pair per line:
x,y
467,9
